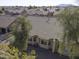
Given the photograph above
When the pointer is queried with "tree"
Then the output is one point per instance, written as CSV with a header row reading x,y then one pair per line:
x,y
21,33
70,21
30,7
3,9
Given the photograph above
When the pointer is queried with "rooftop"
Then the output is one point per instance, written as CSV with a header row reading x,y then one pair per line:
x,y
6,20
44,29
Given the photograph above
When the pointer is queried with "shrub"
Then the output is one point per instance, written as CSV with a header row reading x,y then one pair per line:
x,y
72,49
33,53
10,52
61,48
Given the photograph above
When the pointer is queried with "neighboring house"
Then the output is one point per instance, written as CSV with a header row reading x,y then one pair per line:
x,y
37,11
15,11
6,23
31,12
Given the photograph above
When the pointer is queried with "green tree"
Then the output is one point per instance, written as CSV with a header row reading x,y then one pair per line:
x,y
69,19
21,33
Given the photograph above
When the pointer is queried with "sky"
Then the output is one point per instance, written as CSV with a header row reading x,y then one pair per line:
x,y
35,2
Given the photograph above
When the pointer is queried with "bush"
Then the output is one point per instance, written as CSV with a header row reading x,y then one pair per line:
x,y
33,53
76,57
7,52
24,55
61,48
72,48
10,52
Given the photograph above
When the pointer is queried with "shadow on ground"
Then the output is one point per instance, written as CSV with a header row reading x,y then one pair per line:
x,y
45,54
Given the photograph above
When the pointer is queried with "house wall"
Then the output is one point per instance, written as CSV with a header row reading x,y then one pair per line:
x,y
40,42
44,45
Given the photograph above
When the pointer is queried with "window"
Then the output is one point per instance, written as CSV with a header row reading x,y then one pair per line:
x,y
43,42
3,30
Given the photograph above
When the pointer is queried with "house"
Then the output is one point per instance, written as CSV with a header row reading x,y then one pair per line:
x,y
15,11
6,22
45,31
31,12
39,41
